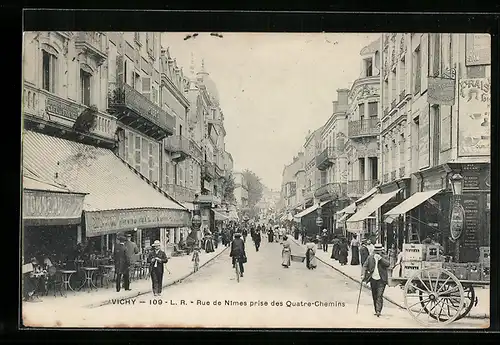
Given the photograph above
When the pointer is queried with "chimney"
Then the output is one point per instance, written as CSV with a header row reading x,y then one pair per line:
x,y
334,106
343,99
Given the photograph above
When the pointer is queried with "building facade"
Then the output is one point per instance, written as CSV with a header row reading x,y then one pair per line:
x,y
240,191
312,148
293,184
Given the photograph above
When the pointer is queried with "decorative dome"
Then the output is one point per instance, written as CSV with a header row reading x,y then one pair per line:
x,y
204,78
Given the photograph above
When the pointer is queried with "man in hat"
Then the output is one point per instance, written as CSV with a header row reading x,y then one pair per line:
x,y
122,265
238,251
157,258
324,240
375,272
132,249
363,252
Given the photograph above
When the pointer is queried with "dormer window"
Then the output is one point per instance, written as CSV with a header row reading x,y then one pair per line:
x,y
368,67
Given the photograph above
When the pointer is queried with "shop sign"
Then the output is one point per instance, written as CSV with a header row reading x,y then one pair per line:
x,y
457,220
355,227
56,106
478,49
474,107
441,91
47,205
98,223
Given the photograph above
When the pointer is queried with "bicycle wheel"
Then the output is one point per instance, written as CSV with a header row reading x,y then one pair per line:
x,y
237,269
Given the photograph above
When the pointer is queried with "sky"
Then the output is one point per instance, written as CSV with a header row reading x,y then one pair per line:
x,y
273,88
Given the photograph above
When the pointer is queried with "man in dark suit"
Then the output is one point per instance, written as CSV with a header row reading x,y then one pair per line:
x,y
375,272
157,258
238,251
122,264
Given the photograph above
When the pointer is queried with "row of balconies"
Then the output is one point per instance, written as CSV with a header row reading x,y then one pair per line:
x,y
326,158
181,193
363,128
394,175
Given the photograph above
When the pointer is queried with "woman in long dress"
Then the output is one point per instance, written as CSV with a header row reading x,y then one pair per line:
x,y
311,262
286,252
209,244
343,251
354,251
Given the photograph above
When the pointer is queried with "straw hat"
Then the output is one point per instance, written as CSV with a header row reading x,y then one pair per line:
x,y
379,248
156,243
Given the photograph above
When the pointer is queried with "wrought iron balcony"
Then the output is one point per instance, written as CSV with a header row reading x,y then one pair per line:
x,y
208,171
363,128
94,43
195,150
402,172
209,199
386,177
137,111
219,169
386,111
48,108
402,95
356,188
393,175
331,191
181,193
393,104
178,146
326,158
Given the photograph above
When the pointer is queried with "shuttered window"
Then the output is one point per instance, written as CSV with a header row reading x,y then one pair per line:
x,y
146,87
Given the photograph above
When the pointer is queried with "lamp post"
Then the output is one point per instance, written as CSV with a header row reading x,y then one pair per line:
x,y
319,220
196,221
457,218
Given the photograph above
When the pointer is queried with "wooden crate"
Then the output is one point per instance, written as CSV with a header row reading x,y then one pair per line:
x,y
410,267
458,269
413,252
474,271
432,253
485,273
432,264
484,256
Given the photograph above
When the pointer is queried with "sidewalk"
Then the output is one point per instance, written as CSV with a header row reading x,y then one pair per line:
x,y
395,294
180,268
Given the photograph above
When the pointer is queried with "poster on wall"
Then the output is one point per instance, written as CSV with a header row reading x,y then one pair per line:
x,y
423,139
474,104
478,49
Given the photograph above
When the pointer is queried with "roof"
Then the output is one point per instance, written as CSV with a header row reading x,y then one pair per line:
x,y
371,48
110,183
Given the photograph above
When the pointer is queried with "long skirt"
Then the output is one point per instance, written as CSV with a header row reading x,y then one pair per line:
x,y
285,258
310,259
343,256
209,246
354,255
335,252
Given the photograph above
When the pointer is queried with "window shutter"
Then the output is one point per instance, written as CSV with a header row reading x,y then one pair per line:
x,y
120,73
424,55
146,87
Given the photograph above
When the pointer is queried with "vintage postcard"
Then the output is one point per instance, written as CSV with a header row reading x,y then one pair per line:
x,y
256,180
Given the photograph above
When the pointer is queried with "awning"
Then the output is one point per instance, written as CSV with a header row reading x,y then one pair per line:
x,y
48,203
409,204
343,218
311,209
219,216
371,206
351,209
188,205
118,199
367,195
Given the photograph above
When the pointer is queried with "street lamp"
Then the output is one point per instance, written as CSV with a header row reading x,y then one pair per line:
x,y
456,184
196,221
319,220
457,218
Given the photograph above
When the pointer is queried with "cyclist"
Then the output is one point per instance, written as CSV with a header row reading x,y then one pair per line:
x,y
196,257
238,251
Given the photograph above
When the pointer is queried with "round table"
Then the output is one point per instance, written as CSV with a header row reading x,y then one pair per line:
x,y
66,277
89,275
107,273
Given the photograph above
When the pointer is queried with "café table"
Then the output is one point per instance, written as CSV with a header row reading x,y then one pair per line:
x,y
89,276
106,273
66,277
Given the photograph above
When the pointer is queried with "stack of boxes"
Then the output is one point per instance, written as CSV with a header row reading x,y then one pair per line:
x,y
419,256
473,271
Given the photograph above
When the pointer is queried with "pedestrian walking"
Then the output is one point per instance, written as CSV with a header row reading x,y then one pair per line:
x,y
286,252
335,250
370,246
122,265
324,240
311,262
296,233
375,272
257,239
343,251
303,236
363,252
157,258
354,251
132,250
270,235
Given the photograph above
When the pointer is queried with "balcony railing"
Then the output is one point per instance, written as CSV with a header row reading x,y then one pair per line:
x,y
331,191
195,150
219,169
178,145
393,104
93,42
208,171
128,104
402,95
362,128
386,177
360,187
402,172
58,110
181,193
325,158
393,175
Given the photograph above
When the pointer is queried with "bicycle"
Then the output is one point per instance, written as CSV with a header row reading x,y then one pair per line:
x,y
237,268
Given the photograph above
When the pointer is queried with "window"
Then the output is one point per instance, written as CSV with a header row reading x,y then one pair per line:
x,y
136,81
361,107
368,67
436,139
435,54
154,94
144,157
146,87
402,76
373,109
323,177
49,62
137,162
417,63
85,78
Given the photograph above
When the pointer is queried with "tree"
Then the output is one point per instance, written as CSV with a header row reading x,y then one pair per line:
x,y
255,190
228,189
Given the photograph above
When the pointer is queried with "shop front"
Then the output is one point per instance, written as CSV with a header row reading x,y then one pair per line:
x,y
348,209
307,218
51,219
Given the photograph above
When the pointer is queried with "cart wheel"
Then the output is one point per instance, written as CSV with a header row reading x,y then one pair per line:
x,y
434,297
470,298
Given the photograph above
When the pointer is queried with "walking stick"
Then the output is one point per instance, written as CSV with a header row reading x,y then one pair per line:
x,y
359,295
